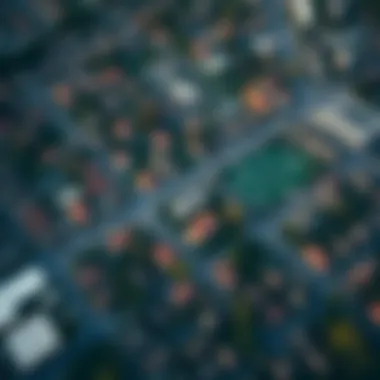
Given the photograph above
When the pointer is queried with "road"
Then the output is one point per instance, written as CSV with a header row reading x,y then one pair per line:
x,y
308,95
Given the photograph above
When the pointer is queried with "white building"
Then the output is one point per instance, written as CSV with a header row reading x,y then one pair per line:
x,y
302,13
347,119
27,341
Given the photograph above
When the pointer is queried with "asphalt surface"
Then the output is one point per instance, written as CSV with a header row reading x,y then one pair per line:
x,y
308,96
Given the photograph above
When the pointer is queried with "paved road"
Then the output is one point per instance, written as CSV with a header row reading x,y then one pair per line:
x,y
143,210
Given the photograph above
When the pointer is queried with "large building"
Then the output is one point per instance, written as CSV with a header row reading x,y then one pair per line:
x,y
307,14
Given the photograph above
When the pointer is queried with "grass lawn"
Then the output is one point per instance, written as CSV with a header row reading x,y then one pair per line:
x,y
265,177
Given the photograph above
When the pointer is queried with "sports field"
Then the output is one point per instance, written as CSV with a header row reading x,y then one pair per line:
x,y
265,177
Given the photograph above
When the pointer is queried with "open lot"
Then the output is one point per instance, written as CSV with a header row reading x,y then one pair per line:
x,y
266,177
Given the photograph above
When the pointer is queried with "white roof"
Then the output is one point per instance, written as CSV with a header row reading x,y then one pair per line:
x,y
302,11
264,43
189,201
184,92
348,119
215,64
69,195
19,288
33,342
332,121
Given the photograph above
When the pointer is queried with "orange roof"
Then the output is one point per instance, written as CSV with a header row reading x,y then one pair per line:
x,y
201,228
122,128
316,258
224,274
163,255
374,313
181,293
161,139
78,213
145,181
257,99
117,240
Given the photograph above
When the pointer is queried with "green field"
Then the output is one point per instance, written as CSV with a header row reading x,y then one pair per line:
x,y
265,177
